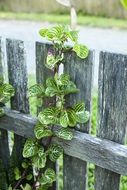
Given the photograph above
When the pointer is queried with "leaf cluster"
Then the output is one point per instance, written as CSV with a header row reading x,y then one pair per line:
x,y
60,35
59,85
6,92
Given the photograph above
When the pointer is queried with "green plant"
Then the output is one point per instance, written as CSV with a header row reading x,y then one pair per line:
x,y
6,92
65,118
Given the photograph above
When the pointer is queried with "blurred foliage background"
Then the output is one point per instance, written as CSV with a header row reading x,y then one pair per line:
x,y
108,8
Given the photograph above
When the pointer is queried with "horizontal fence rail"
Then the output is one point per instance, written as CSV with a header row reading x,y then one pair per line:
x,y
102,152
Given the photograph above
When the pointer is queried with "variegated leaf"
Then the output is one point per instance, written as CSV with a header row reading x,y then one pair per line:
x,y
30,148
64,133
49,116
55,152
37,90
8,90
41,131
72,117
48,177
62,80
79,107
83,117
81,50
39,161
64,120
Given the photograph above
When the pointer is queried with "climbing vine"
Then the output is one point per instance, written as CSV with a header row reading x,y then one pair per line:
x,y
35,152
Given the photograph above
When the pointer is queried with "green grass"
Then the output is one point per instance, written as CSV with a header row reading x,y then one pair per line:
x,y
92,21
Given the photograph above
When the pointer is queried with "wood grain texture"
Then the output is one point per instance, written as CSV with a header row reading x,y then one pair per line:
x,y
75,170
104,153
4,150
112,110
42,73
17,74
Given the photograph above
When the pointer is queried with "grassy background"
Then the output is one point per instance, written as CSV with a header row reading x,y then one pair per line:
x,y
110,8
85,20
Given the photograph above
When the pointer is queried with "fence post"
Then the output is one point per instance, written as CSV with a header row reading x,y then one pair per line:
x,y
41,75
17,74
4,150
112,111
81,72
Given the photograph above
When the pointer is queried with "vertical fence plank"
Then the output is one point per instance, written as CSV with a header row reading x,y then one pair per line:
x,y
75,170
42,73
17,74
1,66
4,150
112,111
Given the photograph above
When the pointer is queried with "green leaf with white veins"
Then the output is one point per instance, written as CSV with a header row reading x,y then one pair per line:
x,y
37,90
82,115
8,90
53,60
70,88
55,151
73,35
49,116
64,120
72,117
62,80
48,177
64,133
56,34
79,107
30,148
39,162
43,32
51,87
41,131
81,50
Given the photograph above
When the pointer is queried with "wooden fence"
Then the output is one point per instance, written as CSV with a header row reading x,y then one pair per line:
x,y
106,150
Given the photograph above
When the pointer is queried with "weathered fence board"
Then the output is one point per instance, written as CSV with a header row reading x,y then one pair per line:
x,y
112,110
75,170
1,66
41,75
102,152
4,150
17,74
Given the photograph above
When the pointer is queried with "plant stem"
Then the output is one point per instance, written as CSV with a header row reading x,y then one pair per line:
x,y
34,185
22,177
